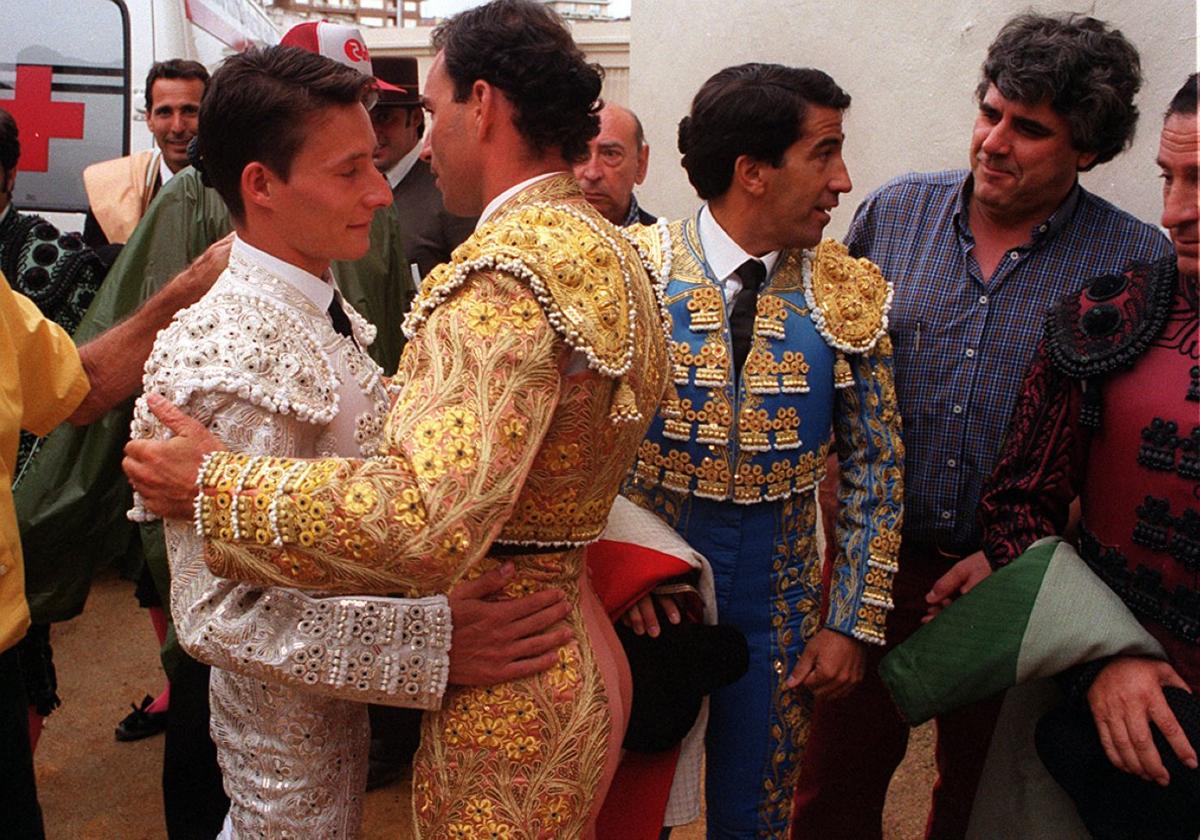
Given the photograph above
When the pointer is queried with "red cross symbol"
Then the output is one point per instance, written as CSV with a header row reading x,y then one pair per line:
x,y
39,118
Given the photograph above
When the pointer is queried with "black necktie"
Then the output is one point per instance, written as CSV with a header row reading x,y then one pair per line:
x,y
341,323
745,305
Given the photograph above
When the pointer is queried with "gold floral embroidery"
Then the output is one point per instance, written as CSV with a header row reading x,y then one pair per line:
x,y
429,465
484,319
360,497
460,422
460,453
524,314
850,298
478,809
513,432
563,457
455,545
410,509
565,672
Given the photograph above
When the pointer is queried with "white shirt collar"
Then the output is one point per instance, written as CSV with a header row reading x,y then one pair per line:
x,y
495,203
398,172
724,256
164,171
319,290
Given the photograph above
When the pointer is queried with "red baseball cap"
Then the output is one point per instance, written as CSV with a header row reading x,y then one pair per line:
x,y
336,41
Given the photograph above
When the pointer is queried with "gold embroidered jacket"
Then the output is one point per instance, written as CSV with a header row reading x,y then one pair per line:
x,y
535,359
818,377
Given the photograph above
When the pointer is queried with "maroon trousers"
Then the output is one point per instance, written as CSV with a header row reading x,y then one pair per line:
x,y
856,743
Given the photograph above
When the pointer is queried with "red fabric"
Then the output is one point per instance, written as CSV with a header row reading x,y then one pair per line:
x,y
856,743
39,117
1153,389
622,573
638,797
1048,458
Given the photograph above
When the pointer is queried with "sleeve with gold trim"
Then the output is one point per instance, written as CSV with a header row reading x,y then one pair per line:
x,y
480,385
870,495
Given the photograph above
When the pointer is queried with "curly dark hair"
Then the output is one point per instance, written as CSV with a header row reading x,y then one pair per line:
x,y
1088,72
1184,100
523,48
258,108
174,68
10,144
750,109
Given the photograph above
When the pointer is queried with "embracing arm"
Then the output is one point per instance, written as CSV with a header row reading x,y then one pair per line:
x,y
481,382
376,650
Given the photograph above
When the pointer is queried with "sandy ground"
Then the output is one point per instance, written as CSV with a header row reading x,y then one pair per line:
x,y
94,788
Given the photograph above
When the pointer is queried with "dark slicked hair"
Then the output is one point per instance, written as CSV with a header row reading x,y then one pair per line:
x,y
259,107
1087,71
751,109
10,145
523,48
1184,100
174,68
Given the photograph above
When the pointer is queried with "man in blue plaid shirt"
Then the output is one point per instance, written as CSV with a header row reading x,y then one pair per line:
x,y
977,257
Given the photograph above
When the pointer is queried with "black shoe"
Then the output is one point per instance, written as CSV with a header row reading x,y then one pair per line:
x,y
140,723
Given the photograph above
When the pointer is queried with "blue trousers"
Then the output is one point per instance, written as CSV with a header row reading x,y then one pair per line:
x,y
768,584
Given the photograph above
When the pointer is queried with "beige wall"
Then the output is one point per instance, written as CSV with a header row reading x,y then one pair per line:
x,y
911,67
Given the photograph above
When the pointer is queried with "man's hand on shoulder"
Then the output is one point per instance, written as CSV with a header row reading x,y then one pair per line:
x,y
205,269
831,665
497,641
114,359
1125,699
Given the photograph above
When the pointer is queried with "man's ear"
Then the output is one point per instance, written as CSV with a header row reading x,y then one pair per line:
x,y
493,109
10,180
257,184
483,102
643,163
750,174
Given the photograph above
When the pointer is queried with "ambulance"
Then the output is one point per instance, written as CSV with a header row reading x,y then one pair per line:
x,y
73,72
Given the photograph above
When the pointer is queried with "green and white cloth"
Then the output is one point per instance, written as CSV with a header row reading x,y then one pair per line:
x,y
1034,618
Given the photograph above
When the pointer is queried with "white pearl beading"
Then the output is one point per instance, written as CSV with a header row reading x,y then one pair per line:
x,y
238,486
201,479
273,509
660,275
